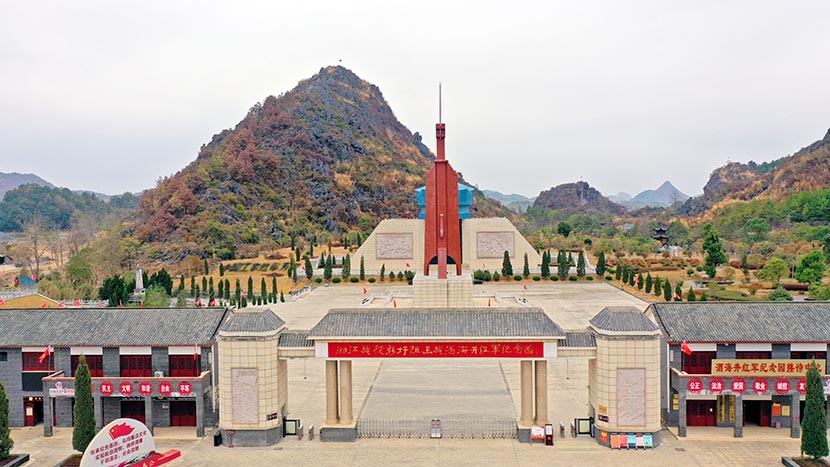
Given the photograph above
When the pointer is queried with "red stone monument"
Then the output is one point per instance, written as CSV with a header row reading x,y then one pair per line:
x,y
442,225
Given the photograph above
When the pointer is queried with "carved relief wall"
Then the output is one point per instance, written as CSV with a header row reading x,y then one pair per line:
x,y
631,396
494,244
393,246
245,395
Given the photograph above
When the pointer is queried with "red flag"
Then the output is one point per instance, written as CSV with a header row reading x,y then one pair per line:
x,y
195,352
2,302
16,281
60,304
637,280
44,355
407,265
142,305
676,297
364,290
212,302
198,302
684,347
43,306
394,303
525,287
488,302
100,304
77,303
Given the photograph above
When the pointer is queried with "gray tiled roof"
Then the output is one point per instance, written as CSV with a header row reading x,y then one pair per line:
x,y
296,339
432,322
581,339
109,327
623,319
744,321
253,321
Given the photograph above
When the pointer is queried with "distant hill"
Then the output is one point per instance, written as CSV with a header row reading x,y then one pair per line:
x,y
577,196
620,198
326,157
10,181
664,196
806,170
515,202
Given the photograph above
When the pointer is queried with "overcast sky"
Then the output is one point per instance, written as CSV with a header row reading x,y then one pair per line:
x,y
110,96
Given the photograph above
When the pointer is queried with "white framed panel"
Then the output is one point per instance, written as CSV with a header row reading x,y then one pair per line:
x,y
183,350
135,350
86,351
33,349
321,349
551,350
753,347
703,347
808,347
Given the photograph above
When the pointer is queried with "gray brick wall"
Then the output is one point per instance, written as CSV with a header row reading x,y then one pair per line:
x,y
112,408
10,371
161,413
161,360
63,361
781,351
63,410
726,351
112,362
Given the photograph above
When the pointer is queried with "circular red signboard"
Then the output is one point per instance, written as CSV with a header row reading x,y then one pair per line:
x,y
782,386
125,388
165,388
185,388
695,385
802,386
716,386
738,386
760,386
145,388
106,388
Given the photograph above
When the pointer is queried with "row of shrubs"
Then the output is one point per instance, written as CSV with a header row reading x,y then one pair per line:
x,y
480,277
243,267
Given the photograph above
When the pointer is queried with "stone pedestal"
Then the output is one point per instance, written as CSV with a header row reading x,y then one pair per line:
x,y
452,292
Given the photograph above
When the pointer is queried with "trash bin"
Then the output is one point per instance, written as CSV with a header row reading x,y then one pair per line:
x,y
217,438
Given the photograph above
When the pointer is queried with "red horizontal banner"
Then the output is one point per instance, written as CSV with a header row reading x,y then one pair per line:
x,y
436,350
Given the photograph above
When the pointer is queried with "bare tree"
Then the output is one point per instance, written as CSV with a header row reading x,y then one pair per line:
x,y
36,238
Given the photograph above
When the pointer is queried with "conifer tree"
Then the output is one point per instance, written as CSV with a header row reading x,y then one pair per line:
x,y
322,263
649,283
632,279
181,282
690,296
640,282
221,289
204,283
601,264
221,270
292,268
197,292
282,297
84,412
6,441
580,264
526,268
207,270
383,272
327,269
667,290
263,289
227,289
814,422
210,285
618,272
625,275
362,267
570,259
658,286
311,248
274,288
703,297
563,267
678,292
297,254
545,265
309,271
250,287
193,286
244,303
506,267
294,275
347,266
238,292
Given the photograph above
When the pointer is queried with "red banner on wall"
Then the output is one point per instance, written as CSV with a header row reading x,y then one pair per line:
x,y
436,349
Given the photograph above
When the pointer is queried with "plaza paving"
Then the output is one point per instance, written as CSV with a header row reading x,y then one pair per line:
x,y
447,388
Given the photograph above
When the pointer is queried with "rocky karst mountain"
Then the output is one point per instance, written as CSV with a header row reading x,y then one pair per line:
x,y
327,156
577,196
664,196
806,170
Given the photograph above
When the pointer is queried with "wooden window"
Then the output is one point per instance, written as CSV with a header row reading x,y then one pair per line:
x,y
136,366
31,362
185,365
94,362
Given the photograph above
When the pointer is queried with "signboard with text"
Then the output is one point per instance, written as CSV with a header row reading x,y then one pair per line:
x,y
120,441
732,367
436,349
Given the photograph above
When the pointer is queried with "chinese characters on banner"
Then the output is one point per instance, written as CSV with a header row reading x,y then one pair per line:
x,y
436,349
731,367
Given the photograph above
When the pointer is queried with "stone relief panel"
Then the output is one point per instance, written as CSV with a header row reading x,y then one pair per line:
x,y
631,396
494,244
245,395
393,246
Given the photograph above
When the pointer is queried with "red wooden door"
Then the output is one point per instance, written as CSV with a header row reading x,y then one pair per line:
x,y
134,410
29,413
766,408
183,413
